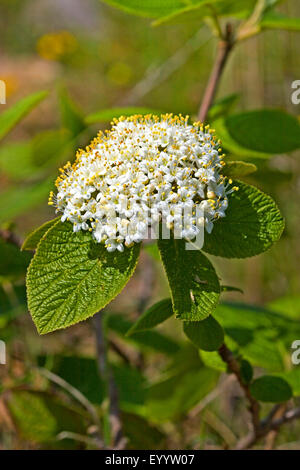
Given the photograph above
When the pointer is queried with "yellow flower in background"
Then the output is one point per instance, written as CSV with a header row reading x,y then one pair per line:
x,y
119,73
56,45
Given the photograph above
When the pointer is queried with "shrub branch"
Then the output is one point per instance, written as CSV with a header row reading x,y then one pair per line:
x,y
225,46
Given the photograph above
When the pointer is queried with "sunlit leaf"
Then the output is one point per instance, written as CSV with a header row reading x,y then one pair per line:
x,y
275,20
40,417
71,277
252,224
260,335
237,169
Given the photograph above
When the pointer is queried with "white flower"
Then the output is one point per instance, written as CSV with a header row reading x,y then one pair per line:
x,y
142,170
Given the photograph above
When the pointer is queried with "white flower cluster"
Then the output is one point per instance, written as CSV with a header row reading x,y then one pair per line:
x,y
146,168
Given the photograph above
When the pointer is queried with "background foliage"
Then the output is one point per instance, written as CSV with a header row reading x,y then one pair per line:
x,y
70,66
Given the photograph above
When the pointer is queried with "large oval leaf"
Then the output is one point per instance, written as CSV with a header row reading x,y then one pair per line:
x,y
193,281
206,334
71,277
266,130
252,224
271,389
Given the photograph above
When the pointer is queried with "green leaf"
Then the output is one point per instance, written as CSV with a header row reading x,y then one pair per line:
x,y
13,305
252,224
16,160
173,397
153,340
206,334
195,10
201,9
236,169
149,8
222,107
71,277
275,20
232,146
131,386
193,282
212,360
271,389
10,118
51,147
246,371
30,159
71,116
153,316
231,289
40,417
267,130
13,264
293,379
288,305
32,240
140,434
263,337
108,114
81,372
15,201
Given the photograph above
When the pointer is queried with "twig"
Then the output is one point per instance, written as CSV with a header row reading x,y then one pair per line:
x,y
234,367
77,437
271,436
289,416
265,427
225,45
10,237
117,439
221,428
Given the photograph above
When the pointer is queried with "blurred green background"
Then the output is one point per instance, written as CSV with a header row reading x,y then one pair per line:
x,y
91,57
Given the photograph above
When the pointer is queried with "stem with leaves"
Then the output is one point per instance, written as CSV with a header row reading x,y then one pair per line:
x,y
234,367
260,428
